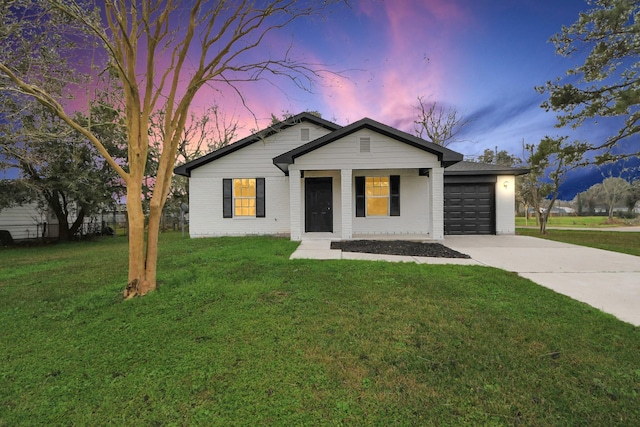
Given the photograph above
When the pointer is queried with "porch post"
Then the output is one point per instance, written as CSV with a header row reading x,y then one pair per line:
x,y
436,179
294,205
347,203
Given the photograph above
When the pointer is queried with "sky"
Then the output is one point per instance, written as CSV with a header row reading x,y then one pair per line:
x,y
481,57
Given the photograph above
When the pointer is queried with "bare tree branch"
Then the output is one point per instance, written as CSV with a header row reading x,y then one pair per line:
x,y
438,125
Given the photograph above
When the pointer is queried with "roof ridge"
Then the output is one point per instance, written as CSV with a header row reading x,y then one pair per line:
x,y
185,169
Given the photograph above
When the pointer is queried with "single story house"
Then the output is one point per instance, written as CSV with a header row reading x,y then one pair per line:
x,y
308,177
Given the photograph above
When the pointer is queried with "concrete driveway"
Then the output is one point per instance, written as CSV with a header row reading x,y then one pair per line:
x,y
609,281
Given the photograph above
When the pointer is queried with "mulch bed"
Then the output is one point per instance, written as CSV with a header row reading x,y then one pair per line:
x,y
398,247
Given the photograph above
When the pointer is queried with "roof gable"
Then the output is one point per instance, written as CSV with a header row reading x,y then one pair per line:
x,y
185,170
445,156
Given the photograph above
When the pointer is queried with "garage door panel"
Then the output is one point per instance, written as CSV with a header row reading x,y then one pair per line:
x,y
469,209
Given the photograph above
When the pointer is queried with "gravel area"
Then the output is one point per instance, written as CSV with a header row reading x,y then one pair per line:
x,y
398,247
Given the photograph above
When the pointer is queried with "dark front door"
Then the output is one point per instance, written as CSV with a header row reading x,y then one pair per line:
x,y
318,205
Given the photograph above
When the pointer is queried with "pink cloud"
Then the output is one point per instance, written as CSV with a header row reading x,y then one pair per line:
x,y
396,51
412,47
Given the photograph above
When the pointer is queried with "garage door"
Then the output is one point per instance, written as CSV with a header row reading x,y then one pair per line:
x,y
469,209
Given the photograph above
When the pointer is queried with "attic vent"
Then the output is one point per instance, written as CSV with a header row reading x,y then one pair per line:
x,y
304,134
365,145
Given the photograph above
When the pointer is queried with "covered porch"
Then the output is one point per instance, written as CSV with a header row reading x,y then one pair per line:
x,y
327,204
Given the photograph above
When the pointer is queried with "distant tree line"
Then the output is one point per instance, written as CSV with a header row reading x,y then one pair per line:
x,y
612,193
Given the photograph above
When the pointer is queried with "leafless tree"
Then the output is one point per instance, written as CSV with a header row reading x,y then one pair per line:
x,y
613,192
437,124
203,133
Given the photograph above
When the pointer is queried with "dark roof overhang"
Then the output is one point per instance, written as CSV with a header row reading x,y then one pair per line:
x,y
445,156
185,170
465,168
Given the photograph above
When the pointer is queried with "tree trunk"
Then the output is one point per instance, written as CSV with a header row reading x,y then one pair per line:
x,y
63,229
64,235
543,222
139,283
152,243
77,223
610,218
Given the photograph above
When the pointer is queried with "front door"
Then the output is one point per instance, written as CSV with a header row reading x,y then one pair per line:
x,y
318,205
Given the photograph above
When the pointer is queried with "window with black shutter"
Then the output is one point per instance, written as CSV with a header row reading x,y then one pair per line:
x,y
377,195
227,198
360,197
394,201
243,197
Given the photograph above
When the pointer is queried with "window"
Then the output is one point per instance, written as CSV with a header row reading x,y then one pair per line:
x,y
377,196
377,191
243,197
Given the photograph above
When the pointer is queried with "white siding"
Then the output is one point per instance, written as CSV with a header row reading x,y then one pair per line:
x,y
253,161
256,160
385,157
295,204
436,229
205,209
414,206
505,205
26,222
386,153
348,201
341,160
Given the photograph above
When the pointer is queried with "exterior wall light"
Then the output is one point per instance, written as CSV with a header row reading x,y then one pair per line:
x,y
506,184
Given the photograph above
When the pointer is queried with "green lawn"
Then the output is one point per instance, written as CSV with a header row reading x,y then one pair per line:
x,y
237,334
576,221
616,241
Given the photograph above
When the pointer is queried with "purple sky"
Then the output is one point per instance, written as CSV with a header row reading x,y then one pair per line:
x,y
481,57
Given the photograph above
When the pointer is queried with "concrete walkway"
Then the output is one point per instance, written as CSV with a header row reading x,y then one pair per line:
x,y
609,281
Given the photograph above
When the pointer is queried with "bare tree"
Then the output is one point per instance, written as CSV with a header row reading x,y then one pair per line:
x,y
162,52
549,162
613,192
439,125
633,196
203,133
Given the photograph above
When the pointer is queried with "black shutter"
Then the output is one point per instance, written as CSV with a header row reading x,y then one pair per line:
x,y
395,195
227,198
260,213
360,200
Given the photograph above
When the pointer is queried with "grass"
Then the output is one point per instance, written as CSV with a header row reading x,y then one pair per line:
x,y
576,221
237,334
624,242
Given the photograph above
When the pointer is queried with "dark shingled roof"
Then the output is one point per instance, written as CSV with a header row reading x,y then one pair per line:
x,y
452,160
476,168
445,156
185,170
